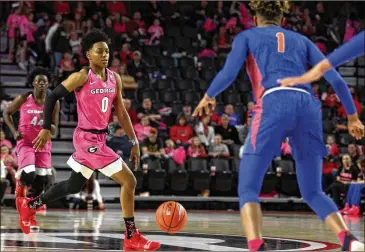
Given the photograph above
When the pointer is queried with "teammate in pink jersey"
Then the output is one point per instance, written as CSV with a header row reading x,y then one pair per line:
x,y
97,89
34,166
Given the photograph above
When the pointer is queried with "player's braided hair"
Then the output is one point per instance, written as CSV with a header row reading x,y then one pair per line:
x,y
91,38
271,10
39,71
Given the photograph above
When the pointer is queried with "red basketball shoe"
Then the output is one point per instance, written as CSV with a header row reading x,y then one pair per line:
x,y
26,214
354,210
345,209
138,242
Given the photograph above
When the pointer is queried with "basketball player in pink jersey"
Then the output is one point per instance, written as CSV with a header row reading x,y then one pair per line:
x,y
34,166
96,89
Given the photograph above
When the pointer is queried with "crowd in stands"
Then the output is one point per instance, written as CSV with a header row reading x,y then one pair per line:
x,y
167,53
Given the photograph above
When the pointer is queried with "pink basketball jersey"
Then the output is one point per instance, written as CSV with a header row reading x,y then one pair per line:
x,y
95,101
31,120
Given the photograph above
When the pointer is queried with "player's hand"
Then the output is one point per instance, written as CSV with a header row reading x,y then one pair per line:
x,y
44,137
204,106
355,127
135,154
17,136
312,75
101,206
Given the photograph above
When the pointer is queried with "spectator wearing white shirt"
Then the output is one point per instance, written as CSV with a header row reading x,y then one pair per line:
x,y
4,182
204,131
89,192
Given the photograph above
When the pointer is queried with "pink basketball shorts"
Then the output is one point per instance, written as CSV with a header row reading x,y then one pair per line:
x,y
92,153
29,160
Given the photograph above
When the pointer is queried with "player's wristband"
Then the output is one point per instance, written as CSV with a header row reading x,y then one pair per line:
x,y
51,99
134,141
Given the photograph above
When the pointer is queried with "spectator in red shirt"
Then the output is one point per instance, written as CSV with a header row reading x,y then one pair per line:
x,y
215,119
62,7
331,99
332,147
322,46
67,65
131,112
341,110
196,149
126,54
80,9
222,38
119,25
116,7
136,26
181,133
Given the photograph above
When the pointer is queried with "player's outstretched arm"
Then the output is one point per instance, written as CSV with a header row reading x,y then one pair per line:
x,y
11,109
74,81
125,121
355,127
226,76
349,51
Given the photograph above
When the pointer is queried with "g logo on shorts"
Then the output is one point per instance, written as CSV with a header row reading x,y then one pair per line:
x,y
92,149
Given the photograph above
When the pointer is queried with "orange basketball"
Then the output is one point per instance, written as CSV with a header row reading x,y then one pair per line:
x,y
171,217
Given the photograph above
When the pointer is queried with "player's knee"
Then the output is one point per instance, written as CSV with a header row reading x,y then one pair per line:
x,y
131,183
247,195
27,179
310,195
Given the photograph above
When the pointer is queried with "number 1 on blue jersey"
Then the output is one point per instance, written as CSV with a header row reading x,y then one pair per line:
x,y
281,42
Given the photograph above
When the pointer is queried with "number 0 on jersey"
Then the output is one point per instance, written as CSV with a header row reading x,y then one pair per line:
x,y
104,104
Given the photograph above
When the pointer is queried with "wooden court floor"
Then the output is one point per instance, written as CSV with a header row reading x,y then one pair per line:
x,y
205,231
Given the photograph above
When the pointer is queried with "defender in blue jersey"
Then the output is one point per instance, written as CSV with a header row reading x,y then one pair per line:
x,y
349,51
272,53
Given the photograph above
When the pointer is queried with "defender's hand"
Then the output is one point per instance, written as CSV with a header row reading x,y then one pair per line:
x,y
204,106
312,75
135,154
44,137
355,127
